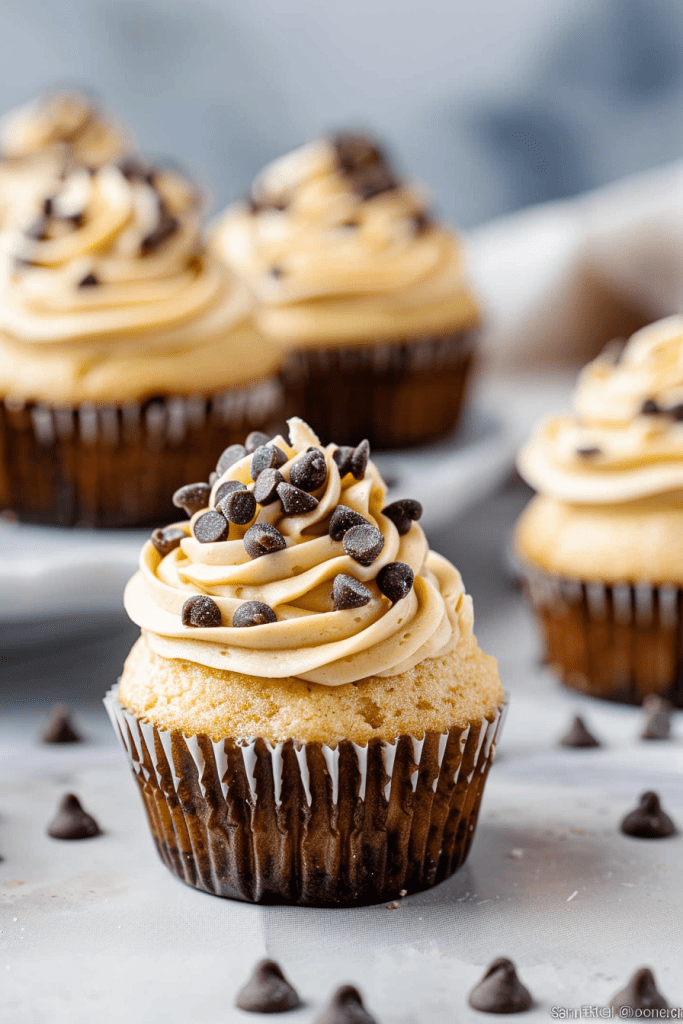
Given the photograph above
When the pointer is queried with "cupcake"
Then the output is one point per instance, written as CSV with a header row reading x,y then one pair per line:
x,y
600,544
362,290
307,713
127,352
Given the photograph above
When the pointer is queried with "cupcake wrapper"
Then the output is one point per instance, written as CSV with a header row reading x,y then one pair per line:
x,y
118,465
617,641
395,395
308,823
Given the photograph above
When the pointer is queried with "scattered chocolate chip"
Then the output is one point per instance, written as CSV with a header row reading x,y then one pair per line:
x,y
277,272
232,454
256,206
22,262
354,150
201,610
348,592
253,613
267,991
47,206
211,528
658,721
192,498
363,543
403,514
165,229
640,993
58,728
421,222
648,820
676,412
263,539
395,580
372,181
88,281
239,507
578,735
267,456
167,538
349,224
589,452
650,408
37,232
342,519
255,440
345,1007
295,502
72,822
134,169
342,456
267,483
359,459
310,472
229,487
500,990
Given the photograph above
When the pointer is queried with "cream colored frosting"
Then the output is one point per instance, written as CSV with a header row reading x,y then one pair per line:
x,y
628,453
92,308
309,641
328,265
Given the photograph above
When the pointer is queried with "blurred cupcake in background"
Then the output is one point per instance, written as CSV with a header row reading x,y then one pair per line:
x,y
128,359
600,545
361,288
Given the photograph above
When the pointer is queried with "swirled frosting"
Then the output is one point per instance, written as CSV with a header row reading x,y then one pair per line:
x,y
336,248
309,639
111,294
625,441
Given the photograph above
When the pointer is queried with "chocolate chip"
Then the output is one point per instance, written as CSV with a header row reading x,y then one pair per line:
x,y
267,483
255,440
58,728
349,224
133,169
192,497
421,222
578,735
403,513
263,539
165,229
167,539
277,272
211,528
372,181
72,822
640,993
589,452
310,472
201,610
37,232
354,150
658,722
650,408
648,820
88,281
239,507
47,206
395,580
266,456
348,592
359,459
229,487
232,454
342,456
342,519
267,991
253,613
345,1007
500,990
363,543
295,502
676,412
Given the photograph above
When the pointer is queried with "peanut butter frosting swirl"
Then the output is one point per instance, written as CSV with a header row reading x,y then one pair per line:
x,y
335,247
625,441
319,607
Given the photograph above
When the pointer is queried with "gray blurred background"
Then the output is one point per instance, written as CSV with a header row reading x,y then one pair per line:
x,y
495,104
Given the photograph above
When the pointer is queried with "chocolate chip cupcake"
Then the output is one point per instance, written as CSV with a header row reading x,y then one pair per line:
x,y
127,352
307,712
600,545
361,288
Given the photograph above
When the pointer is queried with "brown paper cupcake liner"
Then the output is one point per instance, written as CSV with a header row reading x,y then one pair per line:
x,y
118,465
307,823
618,641
396,395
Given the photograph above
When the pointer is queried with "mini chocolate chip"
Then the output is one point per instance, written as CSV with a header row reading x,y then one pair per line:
x,y
295,502
47,206
421,222
72,822
266,456
165,229
650,408
640,993
167,538
648,820
500,990
363,543
192,497
131,168
267,483
267,991
403,513
342,519
578,735
354,150
590,452
201,610
232,454
345,1007
349,224
37,232
263,539
342,456
211,528
88,281
676,412
348,592
277,272
310,472
239,507
395,580
658,722
255,440
359,459
372,181
58,728
226,488
253,613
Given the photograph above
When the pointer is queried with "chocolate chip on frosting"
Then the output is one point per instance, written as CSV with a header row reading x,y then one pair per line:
x,y
421,222
211,528
277,272
58,728
578,735
267,991
354,150
253,613
403,514
359,459
238,507
345,1007
310,472
166,227
232,454
263,539
500,990
88,281
363,543
589,452
395,580
648,820
295,502
72,822
267,456
167,538
342,519
658,718
255,440
342,456
200,610
640,993
348,592
650,408
192,498
226,488
267,483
